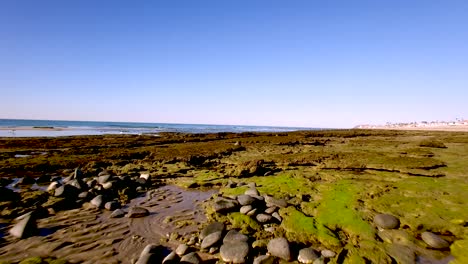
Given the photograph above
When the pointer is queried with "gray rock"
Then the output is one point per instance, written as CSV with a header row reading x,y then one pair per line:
x,y
271,201
252,185
386,221
279,247
150,254
212,228
26,226
111,206
98,201
277,217
67,191
223,205
264,259
78,174
271,210
307,255
181,249
103,179
192,241
83,195
171,258
234,252
136,212
234,236
434,241
107,185
245,199
263,218
245,209
192,258
252,192
77,184
213,250
211,239
117,213
252,212
326,253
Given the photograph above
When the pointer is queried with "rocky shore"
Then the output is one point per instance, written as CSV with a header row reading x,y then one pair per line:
x,y
350,196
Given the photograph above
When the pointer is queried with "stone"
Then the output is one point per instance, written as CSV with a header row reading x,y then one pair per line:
x,y
252,212
111,206
279,247
103,173
277,217
271,210
211,228
245,199
145,176
150,254
263,218
245,209
326,253
107,185
307,255
223,205
271,201
234,236
77,184
25,227
252,192
181,249
26,181
264,259
191,258
67,191
192,241
98,201
136,212
319,261
235,252
386,221
78,174
52,186
434,241
252,185
103,179
43,178
83,195
213,250
117,213
211,239
171,258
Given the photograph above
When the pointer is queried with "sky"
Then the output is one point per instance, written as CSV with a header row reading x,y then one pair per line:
x,y
330,64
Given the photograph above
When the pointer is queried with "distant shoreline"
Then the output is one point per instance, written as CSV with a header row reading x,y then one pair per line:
x,y
461,128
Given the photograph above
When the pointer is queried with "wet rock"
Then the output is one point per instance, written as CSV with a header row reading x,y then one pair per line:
x,y
211,239
279,247
234,252
434,240
111,206
25,227
136,212
245,199
326,253
171,258
386,221
117,213
181,249
191,258
264,259
98,201
234,236
271,201
252,192
245,209
212,228
150,254
307,255
223,205
263,218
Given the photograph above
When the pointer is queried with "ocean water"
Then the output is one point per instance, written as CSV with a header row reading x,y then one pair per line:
x,y
41,128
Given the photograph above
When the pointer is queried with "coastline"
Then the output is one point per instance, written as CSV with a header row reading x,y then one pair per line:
x,y
461,128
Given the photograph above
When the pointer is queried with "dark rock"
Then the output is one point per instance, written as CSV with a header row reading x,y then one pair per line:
x,y
271,201
245,199
136,212
212,228
117,213
223,205
26,226
171,258
386,221
211,239
191,258
151,254
307,255
111,206
245,209
279,247
234,236
7,194
43,178
26,181
434,241
264,259
67,191
78,174
263,218
91,183
98,201
235,252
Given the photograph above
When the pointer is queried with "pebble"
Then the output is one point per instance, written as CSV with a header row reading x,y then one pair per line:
x,y
26,227
434,240
211,239
263,218
136,212
386,221
111,206
117,213
279,247
235,252
277,216
307,255
326,253
97,201
181,249
271,210
223,205
245,209
271,201
252,212
171,258
192,258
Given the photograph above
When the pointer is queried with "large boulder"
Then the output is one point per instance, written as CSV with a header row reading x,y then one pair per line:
x,y
234,252
223,205
279,247
211,239
212,228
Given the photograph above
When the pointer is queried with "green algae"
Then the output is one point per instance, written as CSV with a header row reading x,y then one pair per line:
x,y
243,222
459,250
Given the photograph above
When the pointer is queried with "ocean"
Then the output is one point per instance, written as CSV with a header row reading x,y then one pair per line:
x,y
54,128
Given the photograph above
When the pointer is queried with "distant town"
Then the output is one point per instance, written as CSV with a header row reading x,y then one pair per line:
x,y
460,124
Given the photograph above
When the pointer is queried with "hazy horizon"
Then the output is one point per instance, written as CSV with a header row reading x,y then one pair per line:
x,y
333,64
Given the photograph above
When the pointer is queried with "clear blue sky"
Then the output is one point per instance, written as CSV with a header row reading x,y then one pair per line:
x,y
291,63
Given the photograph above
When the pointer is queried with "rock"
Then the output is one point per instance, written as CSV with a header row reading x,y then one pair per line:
x,y
271,201
91,183
181,249
111,206
263,218
83,195
103,179
211,228
213,250
145,176
117,213
97,201
264,259
307,255
234,236
234,252
211,239
434,240
245,199
103,173
279,247
245,209
141,181
43,178
136,212
171,258
67,191
78,184
107,185
326,253
252,212
78,174
395,236
252,192
319,261
223,205
277,217
192,241
252,185
8,195
150,254
271,210
52,186
386,221
26,226
192,258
